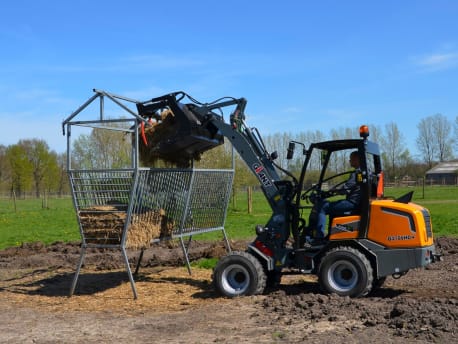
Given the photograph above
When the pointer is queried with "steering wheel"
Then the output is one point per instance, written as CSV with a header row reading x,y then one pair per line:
x,y
310,193
335,189
314,193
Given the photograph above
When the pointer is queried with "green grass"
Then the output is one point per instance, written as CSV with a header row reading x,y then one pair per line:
x,y
442,202
31,222
205,263
429,193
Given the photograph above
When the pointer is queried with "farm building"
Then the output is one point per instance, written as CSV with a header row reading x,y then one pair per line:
x,y
445,173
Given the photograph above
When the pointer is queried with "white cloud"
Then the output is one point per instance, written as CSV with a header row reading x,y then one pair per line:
x,y
437,61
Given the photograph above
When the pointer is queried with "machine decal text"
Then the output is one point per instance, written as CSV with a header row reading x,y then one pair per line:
x,y
259,170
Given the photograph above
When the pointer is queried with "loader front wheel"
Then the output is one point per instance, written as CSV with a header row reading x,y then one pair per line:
x,y
345,271
239,274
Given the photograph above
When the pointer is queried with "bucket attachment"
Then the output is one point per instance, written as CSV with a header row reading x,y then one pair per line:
x,y
176,132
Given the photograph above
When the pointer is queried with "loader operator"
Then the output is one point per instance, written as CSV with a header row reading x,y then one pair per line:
x,y
323,207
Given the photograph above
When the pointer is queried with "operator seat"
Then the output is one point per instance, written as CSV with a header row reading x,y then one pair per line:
x,y
353,212
345,223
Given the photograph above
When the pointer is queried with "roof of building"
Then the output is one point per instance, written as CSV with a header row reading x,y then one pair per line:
x,y
444,167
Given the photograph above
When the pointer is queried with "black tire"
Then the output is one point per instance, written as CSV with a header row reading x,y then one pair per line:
x,y
345,271
239,274
273,279
378,282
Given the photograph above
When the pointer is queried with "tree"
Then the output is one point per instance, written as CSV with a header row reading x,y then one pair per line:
x,y
52,177
63,182
21,169
278,142
43,162
102,148
425,140
339,160
434,139
4,168
393,144
442,134
375,133
456,132
219,157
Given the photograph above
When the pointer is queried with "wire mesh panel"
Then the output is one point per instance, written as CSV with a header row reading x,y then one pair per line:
x,y
207,202
188,201
101,199
166,203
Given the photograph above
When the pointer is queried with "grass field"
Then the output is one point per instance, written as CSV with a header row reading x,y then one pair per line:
x,y
31,222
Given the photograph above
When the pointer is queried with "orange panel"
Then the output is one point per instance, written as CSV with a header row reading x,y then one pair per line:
x,y
395,224
345,227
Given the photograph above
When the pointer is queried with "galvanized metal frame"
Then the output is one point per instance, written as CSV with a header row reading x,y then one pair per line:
x,y
190,182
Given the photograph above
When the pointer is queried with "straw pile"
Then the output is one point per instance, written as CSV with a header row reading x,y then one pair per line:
x,y
148,226
103,225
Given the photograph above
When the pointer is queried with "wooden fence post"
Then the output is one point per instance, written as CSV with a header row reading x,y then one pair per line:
x,y
14,201
250,199
423,188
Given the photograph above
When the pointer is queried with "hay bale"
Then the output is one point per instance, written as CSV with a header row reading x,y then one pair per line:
x,y
104,225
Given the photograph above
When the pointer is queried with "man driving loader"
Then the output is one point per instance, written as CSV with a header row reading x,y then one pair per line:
x,y
323,207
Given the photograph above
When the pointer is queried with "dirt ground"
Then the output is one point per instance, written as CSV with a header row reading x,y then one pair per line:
x,y
175,307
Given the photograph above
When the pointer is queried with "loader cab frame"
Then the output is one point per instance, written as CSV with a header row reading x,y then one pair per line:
x,y
369,178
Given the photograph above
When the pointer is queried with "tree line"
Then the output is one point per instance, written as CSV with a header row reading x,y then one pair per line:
x,y
30,167
436,141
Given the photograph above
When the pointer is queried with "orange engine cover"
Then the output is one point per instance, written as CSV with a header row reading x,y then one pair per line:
x,y
399,225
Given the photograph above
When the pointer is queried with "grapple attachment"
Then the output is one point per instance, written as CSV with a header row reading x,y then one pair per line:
x,y
176,132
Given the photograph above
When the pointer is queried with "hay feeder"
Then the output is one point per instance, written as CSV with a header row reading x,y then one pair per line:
x,y
132,206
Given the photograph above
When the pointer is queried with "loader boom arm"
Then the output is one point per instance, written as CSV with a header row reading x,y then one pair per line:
x,y
251,150
245,140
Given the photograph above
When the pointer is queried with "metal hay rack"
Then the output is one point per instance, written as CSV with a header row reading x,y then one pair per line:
x,y
132,206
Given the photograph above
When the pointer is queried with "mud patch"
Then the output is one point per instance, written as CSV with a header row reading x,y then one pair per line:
x,y
174,306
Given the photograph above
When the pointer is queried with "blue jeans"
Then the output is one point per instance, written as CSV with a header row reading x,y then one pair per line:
x,y
323,208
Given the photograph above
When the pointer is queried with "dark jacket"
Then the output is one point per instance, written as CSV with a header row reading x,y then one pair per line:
x,y
352,189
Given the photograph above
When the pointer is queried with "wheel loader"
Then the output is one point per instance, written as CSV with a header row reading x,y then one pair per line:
x,y
383,237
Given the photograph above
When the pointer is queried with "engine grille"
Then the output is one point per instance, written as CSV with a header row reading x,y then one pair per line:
x,y
427,218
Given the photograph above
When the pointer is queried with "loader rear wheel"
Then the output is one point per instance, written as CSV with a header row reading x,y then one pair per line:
x,y
239,274
273,278
378,283
345,271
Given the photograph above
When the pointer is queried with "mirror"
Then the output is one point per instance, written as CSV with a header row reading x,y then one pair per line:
x,y
290,150
274,155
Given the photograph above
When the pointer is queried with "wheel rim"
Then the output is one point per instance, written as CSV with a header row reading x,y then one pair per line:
x,y
235,279
342,276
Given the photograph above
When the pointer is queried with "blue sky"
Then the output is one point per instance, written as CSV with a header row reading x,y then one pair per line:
x,y
302,65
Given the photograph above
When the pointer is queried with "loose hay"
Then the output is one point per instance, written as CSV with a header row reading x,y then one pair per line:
x,y
155,133
160,291
148,226
104,225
